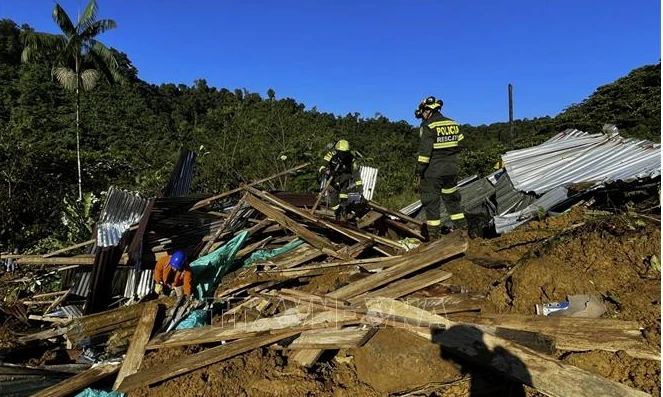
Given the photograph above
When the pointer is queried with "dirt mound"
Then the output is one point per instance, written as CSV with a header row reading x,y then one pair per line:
x,y
384,363
261,373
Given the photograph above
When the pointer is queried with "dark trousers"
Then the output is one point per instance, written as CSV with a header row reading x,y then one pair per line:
x,y
436,188
338,191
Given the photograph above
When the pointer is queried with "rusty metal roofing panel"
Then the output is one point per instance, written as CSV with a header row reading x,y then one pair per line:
x,y
121,210
573,157
369,176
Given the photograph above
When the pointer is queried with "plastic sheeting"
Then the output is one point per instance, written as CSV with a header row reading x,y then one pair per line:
x,y
261,255
208,270
195,319
99,393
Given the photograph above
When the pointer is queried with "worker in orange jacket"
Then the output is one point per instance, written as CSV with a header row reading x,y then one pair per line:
x,y
173,274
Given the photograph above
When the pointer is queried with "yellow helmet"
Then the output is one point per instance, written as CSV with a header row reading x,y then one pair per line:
x,y
431,103
342,146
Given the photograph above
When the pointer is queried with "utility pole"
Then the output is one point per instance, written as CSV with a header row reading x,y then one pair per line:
x,y
510,116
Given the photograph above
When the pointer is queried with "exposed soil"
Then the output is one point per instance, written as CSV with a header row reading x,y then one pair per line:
x,y
610,258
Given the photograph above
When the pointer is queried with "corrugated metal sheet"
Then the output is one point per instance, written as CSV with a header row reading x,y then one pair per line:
x,y
573,156
140,286
416,206
71,311
508,198
82,281
181,177
369,177
510,221
121,210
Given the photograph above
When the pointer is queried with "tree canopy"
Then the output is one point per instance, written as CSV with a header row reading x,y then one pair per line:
x,y
131,135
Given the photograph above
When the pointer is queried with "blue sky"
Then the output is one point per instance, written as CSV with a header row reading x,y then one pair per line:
x,y
371,56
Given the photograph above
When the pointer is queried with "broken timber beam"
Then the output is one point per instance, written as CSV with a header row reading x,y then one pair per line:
x,y
193,362
319,242
136,351
406,286
208,201
213,333
575,333
80,381
330,338
397,214
544,373
355,235
435,252
408,263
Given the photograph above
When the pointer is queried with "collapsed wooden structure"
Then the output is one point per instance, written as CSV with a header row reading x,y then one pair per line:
x,y
264,304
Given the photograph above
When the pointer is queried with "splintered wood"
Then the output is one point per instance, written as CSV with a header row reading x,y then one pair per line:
x,y
374,278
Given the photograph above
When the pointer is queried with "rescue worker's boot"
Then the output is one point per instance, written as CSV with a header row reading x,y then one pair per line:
x,y
460,226
434,233
340,214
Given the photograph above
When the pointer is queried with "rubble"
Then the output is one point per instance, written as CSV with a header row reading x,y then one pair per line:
x,y
257,295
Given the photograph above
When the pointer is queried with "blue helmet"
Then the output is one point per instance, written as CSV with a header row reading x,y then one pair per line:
x,y
177,260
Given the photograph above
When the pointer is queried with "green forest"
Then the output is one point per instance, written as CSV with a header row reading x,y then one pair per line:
x,y
131,133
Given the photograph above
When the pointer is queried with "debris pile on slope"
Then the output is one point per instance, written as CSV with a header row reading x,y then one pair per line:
x,y
283,287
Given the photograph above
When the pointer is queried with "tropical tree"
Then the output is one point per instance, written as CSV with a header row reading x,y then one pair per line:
x,y
79,60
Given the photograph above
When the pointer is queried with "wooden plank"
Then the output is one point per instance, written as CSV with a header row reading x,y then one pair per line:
x,y
410,262
354,235
319,242
252,247
404,228
199,360
207,247
406,286
208,201
55,320
58,301
544,373
42,335
106,322
213,333
397,214
136,351
73,247
574,333
369,219
48,295
306,357
330,338
78,382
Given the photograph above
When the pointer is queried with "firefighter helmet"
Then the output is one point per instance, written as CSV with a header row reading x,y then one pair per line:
x,y
342,146
430,103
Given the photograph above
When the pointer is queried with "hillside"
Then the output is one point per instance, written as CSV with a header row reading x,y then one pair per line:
x,y
132,135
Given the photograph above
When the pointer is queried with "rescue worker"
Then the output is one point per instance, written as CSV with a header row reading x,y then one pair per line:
x,y
340,164
436,175
173,275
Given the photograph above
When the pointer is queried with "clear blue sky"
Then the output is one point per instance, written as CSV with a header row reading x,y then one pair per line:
x,y
371,56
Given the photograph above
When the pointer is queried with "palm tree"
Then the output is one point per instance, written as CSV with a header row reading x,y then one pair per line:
x,y
78,59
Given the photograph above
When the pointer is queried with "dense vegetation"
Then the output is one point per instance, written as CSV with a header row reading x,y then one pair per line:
x,y
131,134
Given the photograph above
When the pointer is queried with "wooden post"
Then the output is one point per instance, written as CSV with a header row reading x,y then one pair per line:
x,y
136,351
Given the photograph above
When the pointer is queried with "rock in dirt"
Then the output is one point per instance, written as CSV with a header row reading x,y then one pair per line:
x,y
395,360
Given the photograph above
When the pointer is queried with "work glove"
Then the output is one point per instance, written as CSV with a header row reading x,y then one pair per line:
x,y
179,291
416,183
158,288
